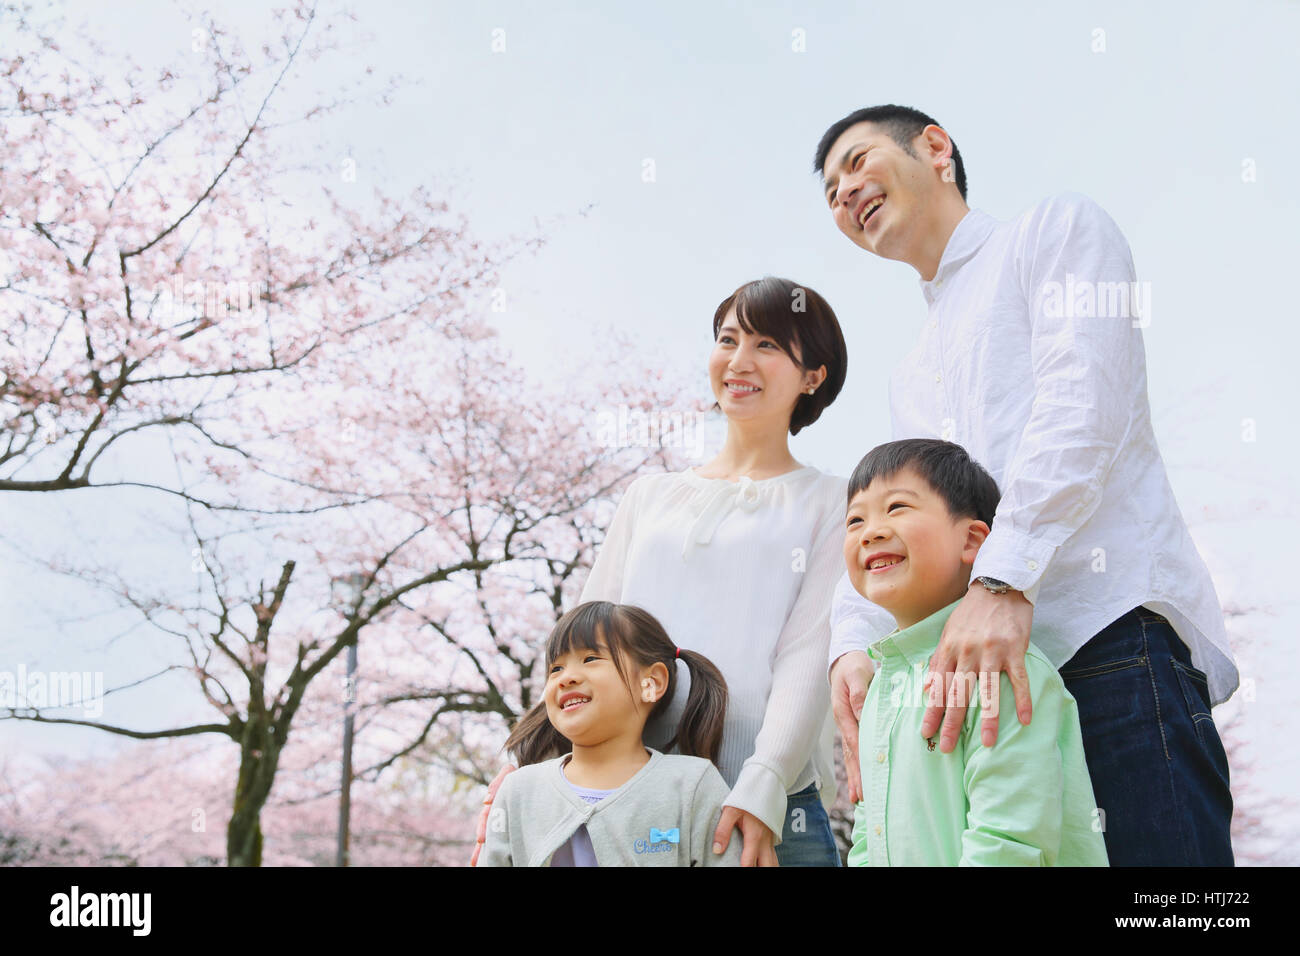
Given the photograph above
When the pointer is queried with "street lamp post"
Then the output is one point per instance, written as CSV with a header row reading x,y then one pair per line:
x,y
352,586
345,795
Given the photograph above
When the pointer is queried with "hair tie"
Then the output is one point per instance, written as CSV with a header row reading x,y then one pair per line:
x,y
677,652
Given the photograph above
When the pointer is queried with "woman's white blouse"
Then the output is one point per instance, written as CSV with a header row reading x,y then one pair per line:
x,y
742,572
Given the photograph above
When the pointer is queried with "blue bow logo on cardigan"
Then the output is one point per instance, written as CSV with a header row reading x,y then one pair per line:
x,y
665,836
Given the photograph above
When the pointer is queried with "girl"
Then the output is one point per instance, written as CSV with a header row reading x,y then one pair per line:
x,y
611,801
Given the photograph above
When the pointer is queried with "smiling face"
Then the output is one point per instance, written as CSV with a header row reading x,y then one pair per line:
x,y
753,379
881,197
904,551
587,700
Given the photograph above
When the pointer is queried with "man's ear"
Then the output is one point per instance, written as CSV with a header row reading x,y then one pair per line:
x,y
976,532
654,683
937,146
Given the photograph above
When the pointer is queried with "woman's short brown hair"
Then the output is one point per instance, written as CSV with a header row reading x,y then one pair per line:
x,y
794,317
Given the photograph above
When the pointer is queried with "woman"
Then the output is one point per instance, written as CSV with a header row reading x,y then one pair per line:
x,y
739,560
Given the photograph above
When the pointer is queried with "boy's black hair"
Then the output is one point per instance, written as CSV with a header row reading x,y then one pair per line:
x,y
902,123
968,490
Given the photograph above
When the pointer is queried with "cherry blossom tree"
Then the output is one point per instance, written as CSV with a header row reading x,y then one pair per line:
x,y
150,805
167,269
481,498
341,411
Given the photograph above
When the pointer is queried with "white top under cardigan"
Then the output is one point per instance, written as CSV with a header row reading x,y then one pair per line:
x,y
742,572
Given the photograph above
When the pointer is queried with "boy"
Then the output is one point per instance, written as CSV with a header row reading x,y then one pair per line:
x,y
918,511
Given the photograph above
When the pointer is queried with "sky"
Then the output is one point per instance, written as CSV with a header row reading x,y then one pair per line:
x,y
1177,117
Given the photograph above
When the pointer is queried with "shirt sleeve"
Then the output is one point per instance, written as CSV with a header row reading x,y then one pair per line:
x,y
496,846
605,582
799,701
706,810
1089,375
1016,789
856,623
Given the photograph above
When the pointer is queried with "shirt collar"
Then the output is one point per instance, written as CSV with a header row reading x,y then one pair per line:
x,y
971,233
914,644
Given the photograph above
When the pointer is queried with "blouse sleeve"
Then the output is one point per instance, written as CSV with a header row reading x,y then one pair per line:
x,y
799,701
605,582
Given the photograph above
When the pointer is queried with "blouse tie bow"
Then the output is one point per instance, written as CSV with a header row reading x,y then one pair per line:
x,y
741,494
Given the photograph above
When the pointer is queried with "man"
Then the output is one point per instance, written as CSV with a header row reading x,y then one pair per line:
x,y
1032,358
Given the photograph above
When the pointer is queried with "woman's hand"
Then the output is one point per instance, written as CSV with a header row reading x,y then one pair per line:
x,y
756,847
480,834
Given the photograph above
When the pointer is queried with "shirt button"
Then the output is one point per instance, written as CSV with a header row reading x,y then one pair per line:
x,y
1033,565
880,757
933,324
938,377
877,831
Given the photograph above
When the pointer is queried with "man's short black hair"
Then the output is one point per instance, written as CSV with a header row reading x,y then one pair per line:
x,y
902,123
968,490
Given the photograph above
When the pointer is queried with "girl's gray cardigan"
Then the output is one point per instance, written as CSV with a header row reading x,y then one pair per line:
x,y
664,816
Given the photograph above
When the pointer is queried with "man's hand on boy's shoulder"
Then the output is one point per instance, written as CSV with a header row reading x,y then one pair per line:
x,y
850,677
985,635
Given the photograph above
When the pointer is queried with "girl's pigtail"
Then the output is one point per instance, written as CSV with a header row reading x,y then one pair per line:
x,y
700,732
535,739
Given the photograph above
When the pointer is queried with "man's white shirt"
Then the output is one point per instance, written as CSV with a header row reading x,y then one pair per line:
x,y
1032,359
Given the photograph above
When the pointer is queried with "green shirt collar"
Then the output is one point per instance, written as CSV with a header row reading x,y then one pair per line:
x,y
914,644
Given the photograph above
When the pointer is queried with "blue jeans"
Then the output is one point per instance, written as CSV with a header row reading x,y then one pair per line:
x,y
1158,768
806,838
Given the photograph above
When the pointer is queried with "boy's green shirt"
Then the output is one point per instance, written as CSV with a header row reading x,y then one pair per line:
x,y
1026,801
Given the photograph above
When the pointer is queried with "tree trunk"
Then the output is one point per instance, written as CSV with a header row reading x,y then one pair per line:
x,y
259,758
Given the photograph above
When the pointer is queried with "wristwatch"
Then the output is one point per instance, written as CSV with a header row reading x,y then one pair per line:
x,y
993,585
